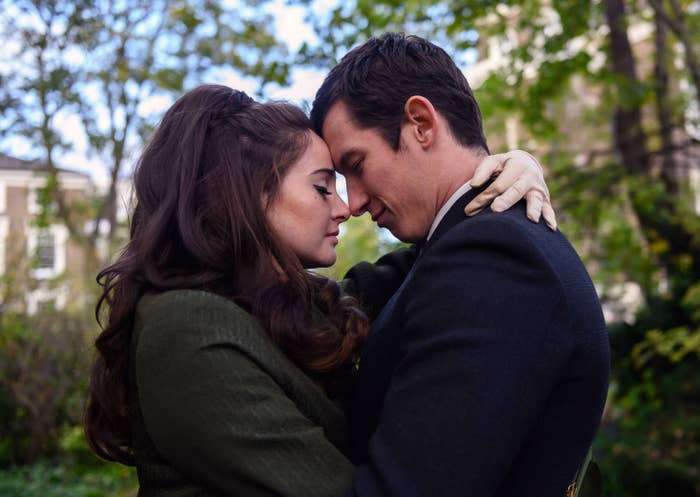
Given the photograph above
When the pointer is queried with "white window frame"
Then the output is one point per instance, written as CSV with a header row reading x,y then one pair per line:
x,y
33,207
60,234
46,241
41,295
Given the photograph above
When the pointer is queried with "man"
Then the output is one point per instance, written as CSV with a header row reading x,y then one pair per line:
x,y
487,372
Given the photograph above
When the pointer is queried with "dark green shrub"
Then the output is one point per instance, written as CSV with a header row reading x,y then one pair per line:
x,y
44,364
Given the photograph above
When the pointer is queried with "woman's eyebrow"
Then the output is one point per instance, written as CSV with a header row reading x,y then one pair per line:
x,y
324,170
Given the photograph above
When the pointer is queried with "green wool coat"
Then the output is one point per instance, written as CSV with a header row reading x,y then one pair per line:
x,y
217,409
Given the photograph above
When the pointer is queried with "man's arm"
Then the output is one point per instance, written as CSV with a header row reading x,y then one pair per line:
x,y
478,362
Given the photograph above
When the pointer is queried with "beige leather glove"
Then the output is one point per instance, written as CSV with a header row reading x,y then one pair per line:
x,y
518,175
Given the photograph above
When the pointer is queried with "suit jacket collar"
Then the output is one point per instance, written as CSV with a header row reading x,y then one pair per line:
x,y
453,216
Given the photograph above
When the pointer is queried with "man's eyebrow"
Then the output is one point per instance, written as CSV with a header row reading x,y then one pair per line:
x,y
324,170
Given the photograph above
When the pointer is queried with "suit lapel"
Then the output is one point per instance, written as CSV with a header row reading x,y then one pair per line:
x,y
453,216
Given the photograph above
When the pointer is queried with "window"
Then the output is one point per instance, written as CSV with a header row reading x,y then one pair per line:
x,y
46,250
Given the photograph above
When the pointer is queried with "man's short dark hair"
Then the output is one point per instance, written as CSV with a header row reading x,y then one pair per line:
x,y
376,78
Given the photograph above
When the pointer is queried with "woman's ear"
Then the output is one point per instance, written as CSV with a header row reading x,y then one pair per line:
x,y
421,116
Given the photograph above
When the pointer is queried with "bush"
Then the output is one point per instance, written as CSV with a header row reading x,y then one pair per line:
x,y
650,441
54,479
44,367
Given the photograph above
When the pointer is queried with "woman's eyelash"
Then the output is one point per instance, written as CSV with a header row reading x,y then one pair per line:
x,y
322,190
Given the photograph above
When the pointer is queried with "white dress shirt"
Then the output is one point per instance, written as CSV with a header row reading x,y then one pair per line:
x,y
446,207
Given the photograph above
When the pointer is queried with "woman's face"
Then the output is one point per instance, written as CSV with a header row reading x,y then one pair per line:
x,y
306,211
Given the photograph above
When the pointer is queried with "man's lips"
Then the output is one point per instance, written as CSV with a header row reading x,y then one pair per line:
x,y
378,216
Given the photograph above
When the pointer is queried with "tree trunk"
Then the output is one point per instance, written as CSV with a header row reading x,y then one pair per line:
x,y
627,121
657,214
669,169
676,23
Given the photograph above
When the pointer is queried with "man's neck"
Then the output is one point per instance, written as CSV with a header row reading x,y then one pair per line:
x,y
456,167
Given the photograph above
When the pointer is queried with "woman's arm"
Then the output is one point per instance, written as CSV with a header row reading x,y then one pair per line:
x,y
374,284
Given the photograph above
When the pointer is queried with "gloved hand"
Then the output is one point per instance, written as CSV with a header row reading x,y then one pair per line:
x,y
518,175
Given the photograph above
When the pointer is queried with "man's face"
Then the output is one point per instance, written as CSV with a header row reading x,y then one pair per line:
x,y
388,184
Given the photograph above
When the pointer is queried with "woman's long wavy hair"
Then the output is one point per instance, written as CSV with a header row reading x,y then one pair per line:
x,y
200,223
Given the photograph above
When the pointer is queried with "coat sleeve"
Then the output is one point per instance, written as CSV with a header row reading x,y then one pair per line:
x,y
476,366
374,284
217,416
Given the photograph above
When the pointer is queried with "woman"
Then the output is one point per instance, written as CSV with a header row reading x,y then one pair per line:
x,y
224,363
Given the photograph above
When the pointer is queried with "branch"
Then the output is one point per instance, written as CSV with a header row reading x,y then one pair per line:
x,y
679,28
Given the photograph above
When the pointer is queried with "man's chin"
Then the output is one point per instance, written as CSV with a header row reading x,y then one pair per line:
x,y
405,236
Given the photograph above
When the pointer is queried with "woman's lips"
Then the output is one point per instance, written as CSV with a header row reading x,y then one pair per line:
x,y
333,236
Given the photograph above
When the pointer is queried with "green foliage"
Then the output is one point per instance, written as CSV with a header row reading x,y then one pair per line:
x,y
674,344
73,471
651,424
654,440
44,364
58,479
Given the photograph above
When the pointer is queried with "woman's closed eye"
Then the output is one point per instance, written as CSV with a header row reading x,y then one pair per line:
x,y
322,190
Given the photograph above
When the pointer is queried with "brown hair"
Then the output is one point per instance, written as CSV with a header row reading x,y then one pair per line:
x,y
200,223
376,78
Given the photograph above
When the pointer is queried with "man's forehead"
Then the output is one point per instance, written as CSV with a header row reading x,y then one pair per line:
x,y
342,135
338,120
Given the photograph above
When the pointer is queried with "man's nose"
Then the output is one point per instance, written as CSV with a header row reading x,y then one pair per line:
x,y
358,200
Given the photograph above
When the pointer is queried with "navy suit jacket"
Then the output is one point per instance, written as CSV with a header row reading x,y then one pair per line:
x,y
487,372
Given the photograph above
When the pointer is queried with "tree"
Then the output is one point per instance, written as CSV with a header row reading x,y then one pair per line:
x,y
102,61
141,49
32,98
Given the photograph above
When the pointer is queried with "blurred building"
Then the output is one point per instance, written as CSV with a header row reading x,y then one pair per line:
x,y
39,265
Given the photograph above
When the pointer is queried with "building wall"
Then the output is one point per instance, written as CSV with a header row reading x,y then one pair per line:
x,y
24,285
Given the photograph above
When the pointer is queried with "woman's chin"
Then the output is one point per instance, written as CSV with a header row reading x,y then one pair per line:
x,y
322,261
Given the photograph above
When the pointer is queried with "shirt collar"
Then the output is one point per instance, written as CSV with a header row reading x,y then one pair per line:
x,y
448,205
